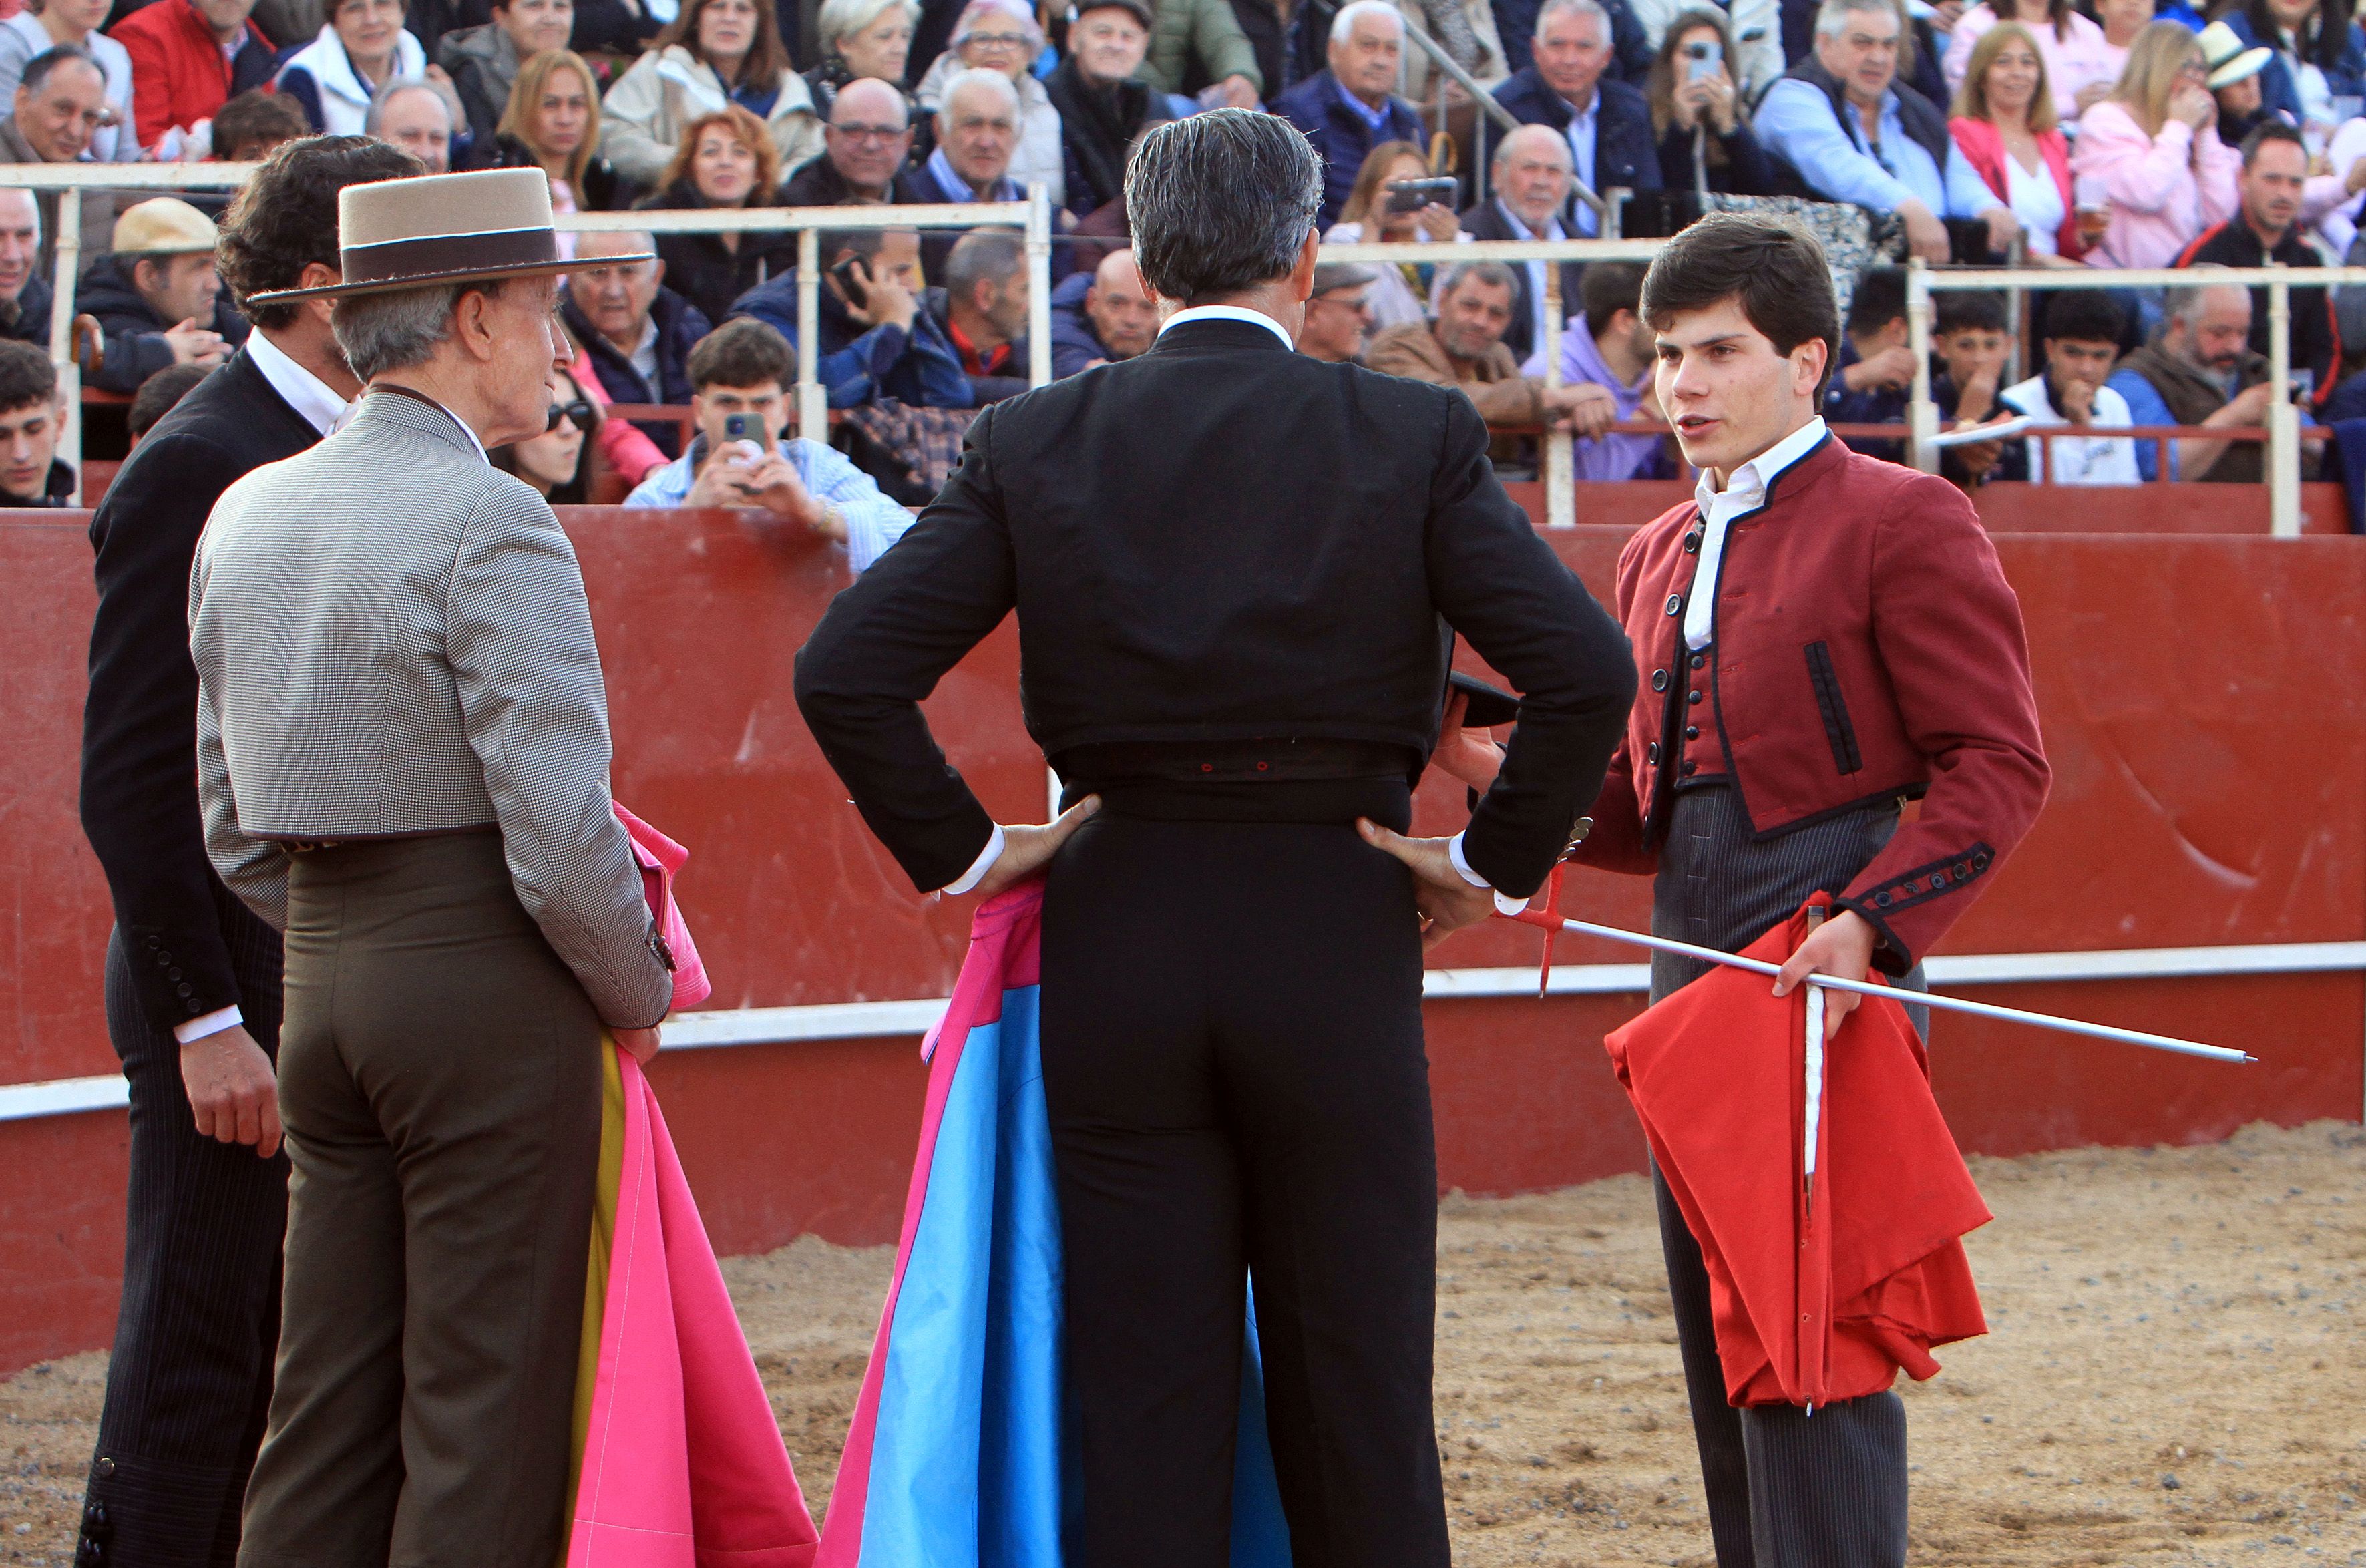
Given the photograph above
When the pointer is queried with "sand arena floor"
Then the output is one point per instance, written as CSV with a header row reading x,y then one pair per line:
x,y
2173,1372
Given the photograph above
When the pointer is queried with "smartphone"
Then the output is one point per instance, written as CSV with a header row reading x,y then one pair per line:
x,y
2303,386
1702,59
854,279
1411,196
743,427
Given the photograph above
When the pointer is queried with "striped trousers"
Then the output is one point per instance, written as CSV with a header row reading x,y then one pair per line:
x,y
1784,1489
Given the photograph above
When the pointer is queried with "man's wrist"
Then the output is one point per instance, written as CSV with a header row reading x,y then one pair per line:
x,y
207,1025
1503,904
978,867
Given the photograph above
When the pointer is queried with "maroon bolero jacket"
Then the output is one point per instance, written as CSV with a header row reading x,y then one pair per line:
x,y
1866,647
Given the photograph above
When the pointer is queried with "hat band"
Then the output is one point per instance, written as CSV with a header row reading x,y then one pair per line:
x,y
437,254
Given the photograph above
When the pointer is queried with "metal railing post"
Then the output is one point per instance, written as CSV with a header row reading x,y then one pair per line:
x,y
1561,497
2283,420
1921,414
1039,283
813,403
67,269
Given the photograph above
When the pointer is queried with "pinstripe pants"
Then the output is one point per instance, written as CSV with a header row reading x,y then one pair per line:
x,y
189,1384
1785,1489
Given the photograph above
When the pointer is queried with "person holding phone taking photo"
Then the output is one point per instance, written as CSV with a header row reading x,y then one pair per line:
x,y
1394,201
1705,142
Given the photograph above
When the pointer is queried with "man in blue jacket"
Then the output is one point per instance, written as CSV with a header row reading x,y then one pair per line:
x,y
1569,86
1102,318
888,342
1349,107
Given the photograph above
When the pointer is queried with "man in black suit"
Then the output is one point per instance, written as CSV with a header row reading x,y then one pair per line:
x,y
192,977
1237,571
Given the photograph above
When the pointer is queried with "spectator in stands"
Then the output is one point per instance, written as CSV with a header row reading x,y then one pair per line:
x,y
1338,319
2234,81
638,332
1465,31
623,28
1105,315
2004,127
877,338
867,142
247,128
1002,38
977,132
1750,69
726,160
73,24
1852,132
190,57
1876,368
984,313
553,123
30,474
1375,214
745,367
1607,122
860,40
157,298
1969,336
1202,47
553,462
2265,229
2122,22
1350,108
24,292
157,395
2070,47
1103,104
1464,347
409,112
2319,55
363,45
2082,338
1706,141
2150,142
483,60
60,101
1611,348
2200,369
714,52
1529,181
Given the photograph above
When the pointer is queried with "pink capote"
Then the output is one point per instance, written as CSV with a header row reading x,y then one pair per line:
x,y
683,1465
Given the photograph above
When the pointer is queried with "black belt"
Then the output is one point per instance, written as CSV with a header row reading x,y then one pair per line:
x,y
1235,761
314,846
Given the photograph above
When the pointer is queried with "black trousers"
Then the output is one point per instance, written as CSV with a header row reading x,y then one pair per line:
x,y
1232,1059
1785,1489
189,1384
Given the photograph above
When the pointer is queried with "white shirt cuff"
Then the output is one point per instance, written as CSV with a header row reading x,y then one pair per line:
x,y
1503,905
978,867
214,1022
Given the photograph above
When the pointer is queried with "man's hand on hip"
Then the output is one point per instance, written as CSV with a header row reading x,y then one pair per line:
x,y
1448,901
233,1093
1028,849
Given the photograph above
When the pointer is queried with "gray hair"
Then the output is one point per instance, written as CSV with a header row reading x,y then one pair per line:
x,y
1521,135
639,242
1552,8
988,255
844,18
1343,23
1832,17
1221,202
979,76
2183,303
383,99
379,333
977,10
1495,275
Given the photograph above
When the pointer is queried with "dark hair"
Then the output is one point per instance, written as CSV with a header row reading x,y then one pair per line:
x,y
767,60
1965,310
39,69
1771,266
742,353
257,116
2268,130
2057,12
837,244
27,377
1880,299
1607,287
1660,86
2084,315
285,219
157,395
1221,202
573,490
2324,46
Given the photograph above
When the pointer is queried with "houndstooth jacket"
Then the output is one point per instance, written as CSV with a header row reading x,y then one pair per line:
x,y
392,638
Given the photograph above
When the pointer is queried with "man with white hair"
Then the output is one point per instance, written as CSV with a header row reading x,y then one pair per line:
x,y
1569,85
1852,132
1350,106
638,332
409,112
978,127
1529,178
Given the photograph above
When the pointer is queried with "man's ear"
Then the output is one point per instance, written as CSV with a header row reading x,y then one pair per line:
x,y
656,272
1301,276
1808,362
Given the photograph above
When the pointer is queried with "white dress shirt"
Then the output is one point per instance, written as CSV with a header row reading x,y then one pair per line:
x,y
1744,492
1227,313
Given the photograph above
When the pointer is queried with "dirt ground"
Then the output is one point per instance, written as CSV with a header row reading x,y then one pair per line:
x,y
2173,1372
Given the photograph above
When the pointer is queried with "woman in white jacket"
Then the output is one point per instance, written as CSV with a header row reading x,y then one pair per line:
x,y
995,35
715,53
363,45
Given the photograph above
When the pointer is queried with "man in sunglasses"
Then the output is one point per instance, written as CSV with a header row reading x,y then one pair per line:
x,y
740,373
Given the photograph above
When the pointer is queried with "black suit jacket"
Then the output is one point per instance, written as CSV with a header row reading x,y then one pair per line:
x,y
1486,222
1221,540
139,725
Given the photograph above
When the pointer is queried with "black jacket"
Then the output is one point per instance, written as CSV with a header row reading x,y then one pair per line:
x,y
702,270
1205,574
133,344
680,325
816,183
1626,153
1097,126
29,321
1488,222
140,722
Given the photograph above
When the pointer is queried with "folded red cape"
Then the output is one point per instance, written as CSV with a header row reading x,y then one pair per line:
x,y
1820,1301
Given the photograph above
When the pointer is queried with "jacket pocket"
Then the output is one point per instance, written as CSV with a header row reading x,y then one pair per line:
x,y
1834,707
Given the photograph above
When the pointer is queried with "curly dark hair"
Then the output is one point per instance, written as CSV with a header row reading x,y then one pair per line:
x,y
286,217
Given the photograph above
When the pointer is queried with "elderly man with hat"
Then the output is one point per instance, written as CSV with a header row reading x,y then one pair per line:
x,y
157,296
1103,102
402,748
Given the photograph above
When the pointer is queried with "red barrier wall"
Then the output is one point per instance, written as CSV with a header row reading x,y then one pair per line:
x,y
2204,700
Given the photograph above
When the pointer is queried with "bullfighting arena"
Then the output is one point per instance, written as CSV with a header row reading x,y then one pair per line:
x,y
2172,1372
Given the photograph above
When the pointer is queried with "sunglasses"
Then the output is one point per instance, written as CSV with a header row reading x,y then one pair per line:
x,y
578,414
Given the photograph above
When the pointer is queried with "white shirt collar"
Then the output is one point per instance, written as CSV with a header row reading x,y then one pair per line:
x,y
303,391
1226,313
1745,491
473,439
1753,477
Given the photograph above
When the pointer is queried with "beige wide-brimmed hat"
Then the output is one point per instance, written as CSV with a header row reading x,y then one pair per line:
x,y
441,229
2224,56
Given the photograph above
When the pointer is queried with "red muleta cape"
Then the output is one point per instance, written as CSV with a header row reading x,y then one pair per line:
x,y
1811,1303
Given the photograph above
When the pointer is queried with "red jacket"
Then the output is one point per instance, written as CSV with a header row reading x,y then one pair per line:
x,y
1983,148
179,75
1866,647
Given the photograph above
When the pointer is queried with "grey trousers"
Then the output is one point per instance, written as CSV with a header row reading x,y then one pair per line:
x,y
1785,1489
439,1077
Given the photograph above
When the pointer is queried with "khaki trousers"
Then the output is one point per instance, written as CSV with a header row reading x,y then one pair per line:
x,y
439,1077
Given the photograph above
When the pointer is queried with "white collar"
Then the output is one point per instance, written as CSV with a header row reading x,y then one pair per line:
x,y
1753,477
1552,231
303,391
1226,313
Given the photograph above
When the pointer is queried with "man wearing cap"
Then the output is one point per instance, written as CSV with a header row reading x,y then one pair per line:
x,y
1338,318
402,750
1103,103
193,977
157,298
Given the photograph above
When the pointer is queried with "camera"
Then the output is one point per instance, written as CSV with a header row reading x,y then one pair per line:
x,y
1411,196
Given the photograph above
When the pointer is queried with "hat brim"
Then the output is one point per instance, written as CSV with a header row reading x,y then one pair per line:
x,y
445,279
2242,68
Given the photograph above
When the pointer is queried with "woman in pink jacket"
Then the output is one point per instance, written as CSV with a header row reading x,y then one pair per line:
x,y
2077,57
2154,144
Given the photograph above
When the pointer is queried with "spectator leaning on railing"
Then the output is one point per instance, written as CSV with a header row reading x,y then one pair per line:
x,y
1700,118
2184,375
1606,122
1338,319
1464,347
409,113
1969,338
2004,125
1103,105
714,52
157,298
30,410
249,127
2265,228
483,60
1103,316
1372,216
23,293
1610,347
190,57
2079,66
867,144
73,24
1529,191
727,161
1350,106
861,38
984,313
878,339
1002,38
2082,338
2151,142
638,332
